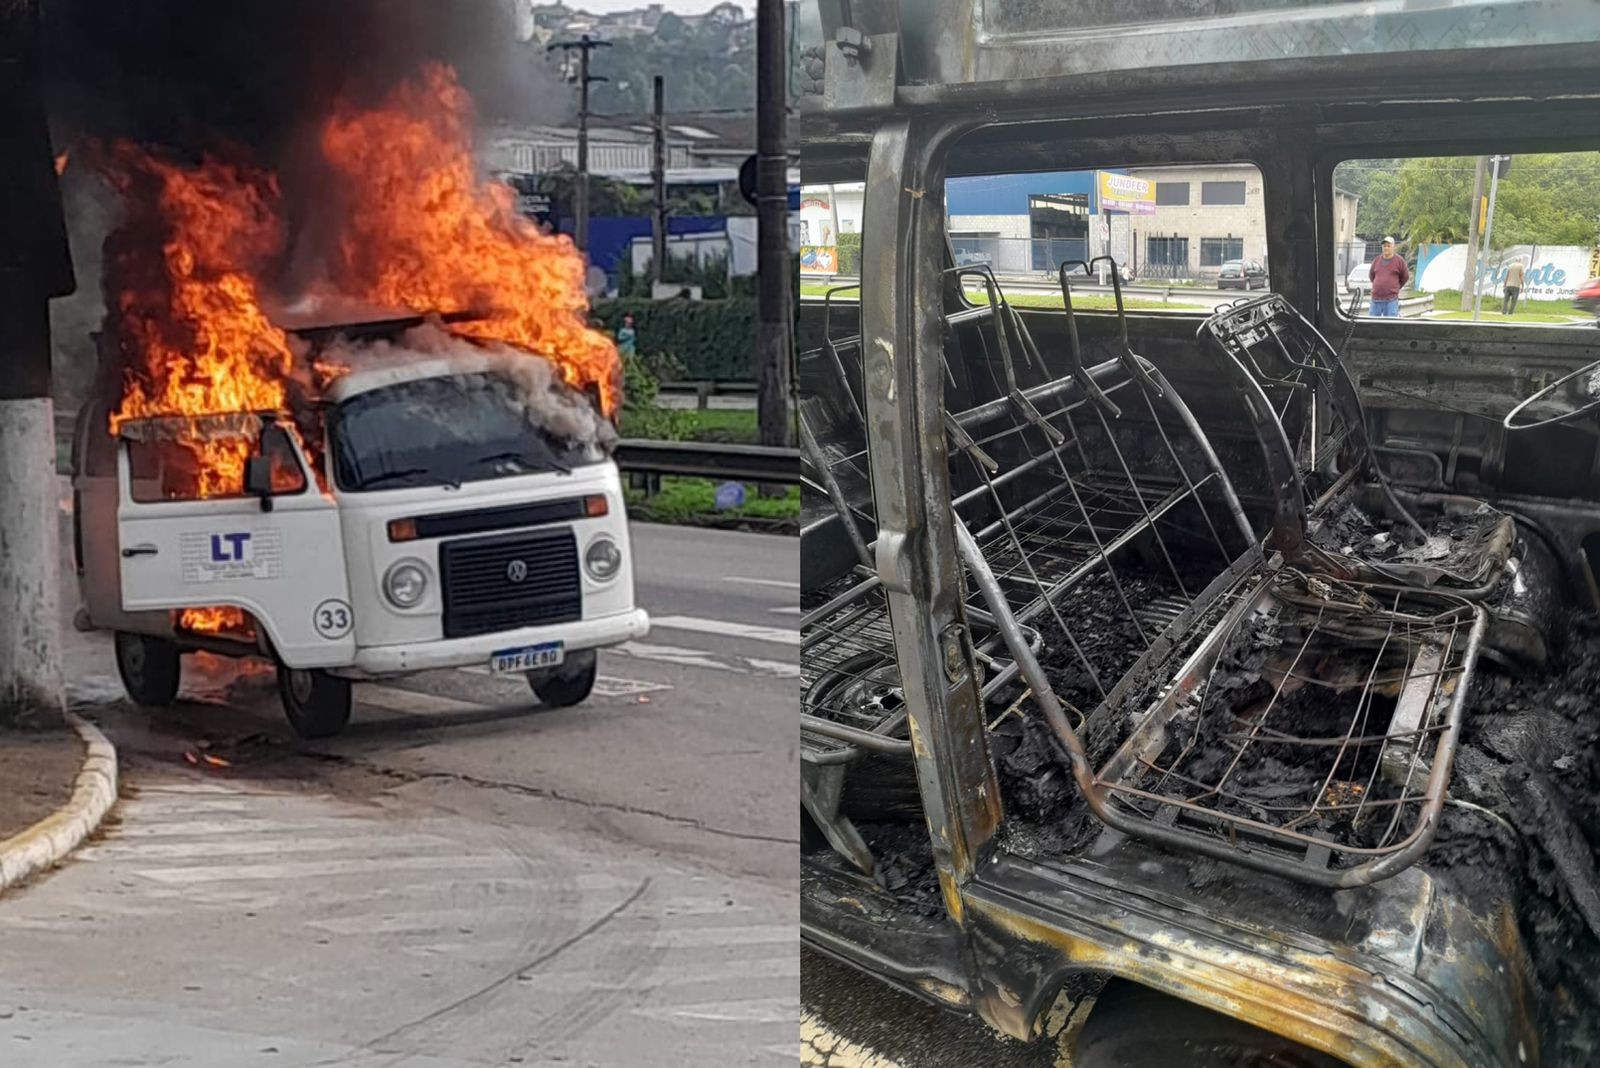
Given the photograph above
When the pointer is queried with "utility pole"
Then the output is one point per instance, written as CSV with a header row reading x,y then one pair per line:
x,y
1488,229
1469,274
583,46
658,179
35,265
775,270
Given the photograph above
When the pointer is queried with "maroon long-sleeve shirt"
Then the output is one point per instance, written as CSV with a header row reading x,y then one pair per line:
x,y
1389,276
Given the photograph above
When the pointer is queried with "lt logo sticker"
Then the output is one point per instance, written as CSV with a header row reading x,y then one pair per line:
x,y
230,555
332,619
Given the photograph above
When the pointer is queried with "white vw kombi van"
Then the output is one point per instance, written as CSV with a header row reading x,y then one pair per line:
x,y
446,527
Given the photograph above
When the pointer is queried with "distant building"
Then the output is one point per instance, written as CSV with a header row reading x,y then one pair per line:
x,y
1202,216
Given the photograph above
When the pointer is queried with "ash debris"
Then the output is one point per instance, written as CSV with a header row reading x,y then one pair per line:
x,y
1531,756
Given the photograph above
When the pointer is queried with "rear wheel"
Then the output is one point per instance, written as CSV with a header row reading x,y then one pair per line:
x,y
567,685
1132,1026
150,669
317,703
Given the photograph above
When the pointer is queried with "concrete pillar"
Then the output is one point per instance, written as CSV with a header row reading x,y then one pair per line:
x,y
30,651
30,659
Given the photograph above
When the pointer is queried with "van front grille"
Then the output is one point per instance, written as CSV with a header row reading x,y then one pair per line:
x,y
510,581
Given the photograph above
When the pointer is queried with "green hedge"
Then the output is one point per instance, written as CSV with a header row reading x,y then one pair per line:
x,y
714,340
850,255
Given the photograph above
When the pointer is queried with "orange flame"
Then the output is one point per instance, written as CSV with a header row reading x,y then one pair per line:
x,y
201,343
424,234
61,162
417,231
220,620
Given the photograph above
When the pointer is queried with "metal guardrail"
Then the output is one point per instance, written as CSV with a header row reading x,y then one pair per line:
x,y
708,459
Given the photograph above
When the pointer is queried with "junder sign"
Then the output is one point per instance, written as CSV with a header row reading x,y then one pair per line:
x,y
1552,272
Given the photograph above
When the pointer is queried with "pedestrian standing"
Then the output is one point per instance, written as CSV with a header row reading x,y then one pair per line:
x,y
1389,275
1513,288
627,337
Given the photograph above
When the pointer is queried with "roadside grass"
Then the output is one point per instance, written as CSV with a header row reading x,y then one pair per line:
x,y
1555,311
732,426
1520,317
692,501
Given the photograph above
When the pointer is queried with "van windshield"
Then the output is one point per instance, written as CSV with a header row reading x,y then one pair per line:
x,y
444,431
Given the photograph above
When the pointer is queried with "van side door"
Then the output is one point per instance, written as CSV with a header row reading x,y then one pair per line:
x,y
278,555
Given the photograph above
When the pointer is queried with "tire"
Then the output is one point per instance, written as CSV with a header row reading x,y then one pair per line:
x,y
316,703
1132,1026
568,685
150,669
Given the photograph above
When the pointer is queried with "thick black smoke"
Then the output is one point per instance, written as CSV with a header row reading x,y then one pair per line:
x,y
249,81
193,74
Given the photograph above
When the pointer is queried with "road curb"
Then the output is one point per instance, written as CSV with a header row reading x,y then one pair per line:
x,y
48,842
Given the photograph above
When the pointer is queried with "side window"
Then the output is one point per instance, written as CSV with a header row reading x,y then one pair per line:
x,y
164,469
1496,238
1185,228
287,475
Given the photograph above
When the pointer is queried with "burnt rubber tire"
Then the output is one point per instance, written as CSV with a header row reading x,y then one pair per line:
x,y
1132,1026
570,685
316,703
150,669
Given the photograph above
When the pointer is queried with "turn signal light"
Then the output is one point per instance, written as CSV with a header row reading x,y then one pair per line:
x,y
402,530
595,505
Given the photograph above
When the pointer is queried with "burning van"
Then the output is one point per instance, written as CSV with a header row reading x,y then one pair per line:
x,y
454,510
350,416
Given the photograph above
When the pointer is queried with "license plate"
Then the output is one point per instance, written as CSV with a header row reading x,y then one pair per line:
x,y
528,658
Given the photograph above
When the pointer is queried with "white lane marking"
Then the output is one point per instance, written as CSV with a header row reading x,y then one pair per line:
x,y
316,868
697,975
782,669
755,1010
786,610
474,920
413,702
727,629
673,654
136,811
245,847
756,934
608,686
684,657
780,583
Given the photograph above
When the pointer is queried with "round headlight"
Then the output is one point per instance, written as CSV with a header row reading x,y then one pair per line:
x,y
405,583
602,559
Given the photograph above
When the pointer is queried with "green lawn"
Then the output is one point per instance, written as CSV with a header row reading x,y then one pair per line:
x,y
1520,317
1553,311
735,426
693,501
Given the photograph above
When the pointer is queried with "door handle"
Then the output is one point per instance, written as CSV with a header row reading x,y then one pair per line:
x,y
140,550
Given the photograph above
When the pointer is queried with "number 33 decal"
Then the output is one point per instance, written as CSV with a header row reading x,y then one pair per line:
x,y
332,619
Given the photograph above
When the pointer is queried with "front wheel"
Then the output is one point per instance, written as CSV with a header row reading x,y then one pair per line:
x,y
150,668
317,703
567,685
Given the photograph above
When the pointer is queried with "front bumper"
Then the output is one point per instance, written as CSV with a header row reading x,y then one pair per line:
x,y
377,660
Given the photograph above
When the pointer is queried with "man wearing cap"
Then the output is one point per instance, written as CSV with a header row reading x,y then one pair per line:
x,y
1389,275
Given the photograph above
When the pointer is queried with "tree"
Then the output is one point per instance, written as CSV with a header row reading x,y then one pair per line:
x,y
709,66
1546,199
1434,203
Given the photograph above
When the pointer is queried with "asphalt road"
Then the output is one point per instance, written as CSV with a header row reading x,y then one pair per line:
x,y
461,879
849,1020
